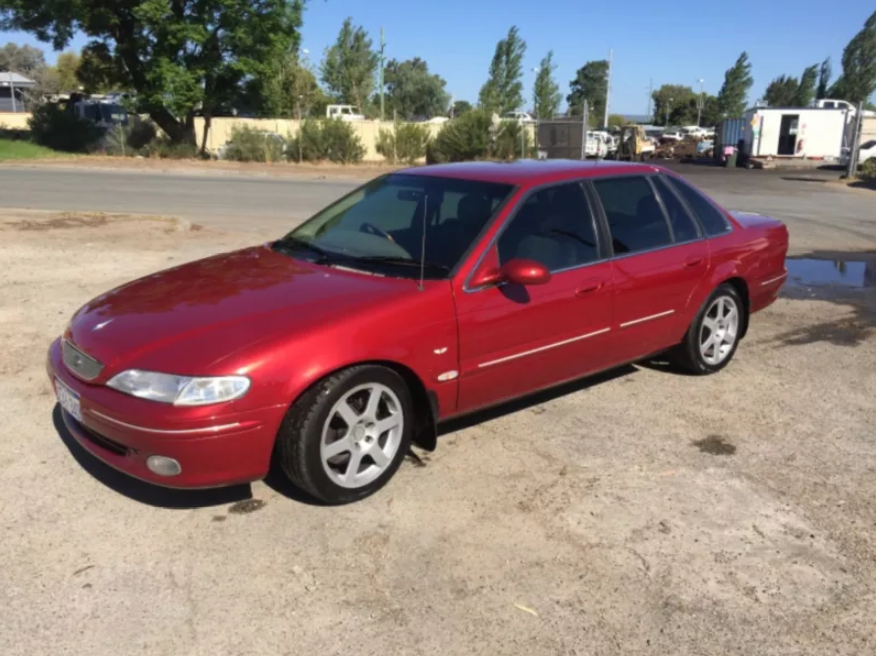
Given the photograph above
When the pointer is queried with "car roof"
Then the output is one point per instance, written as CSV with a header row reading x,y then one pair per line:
x,y
530,172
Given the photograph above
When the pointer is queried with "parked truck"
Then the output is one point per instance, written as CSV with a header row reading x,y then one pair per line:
x,y
344,112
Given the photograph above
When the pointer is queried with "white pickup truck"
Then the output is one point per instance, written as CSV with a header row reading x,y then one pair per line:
x,y
344,112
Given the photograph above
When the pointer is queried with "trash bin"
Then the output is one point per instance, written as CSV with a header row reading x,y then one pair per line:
x,y
730,161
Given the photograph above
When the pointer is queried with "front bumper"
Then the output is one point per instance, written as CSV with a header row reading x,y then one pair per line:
x,y
213,448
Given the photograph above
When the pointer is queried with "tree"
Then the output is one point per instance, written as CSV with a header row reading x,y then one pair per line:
x,y
460,107
824,73
503,91
617,121
590,84
68,67
25,60
178,56
349,65
782,91
806,89
734,92
858,80
546,96
413,91
100,72
674,104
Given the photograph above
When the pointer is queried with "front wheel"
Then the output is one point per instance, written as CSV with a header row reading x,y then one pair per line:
x,y
712,339
347,436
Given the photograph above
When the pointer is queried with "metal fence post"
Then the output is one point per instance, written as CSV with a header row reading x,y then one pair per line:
x,y
585,116
852,170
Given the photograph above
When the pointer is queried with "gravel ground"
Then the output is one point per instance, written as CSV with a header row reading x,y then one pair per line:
x,y
643,512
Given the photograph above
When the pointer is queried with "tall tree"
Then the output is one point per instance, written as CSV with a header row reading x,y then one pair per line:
x,y
782,92
349,65
674,104
179,56
460,107
734,92
546,96
413,91
503,90
24,60
824,73
858,80
806,89
290,88
67,66
590,84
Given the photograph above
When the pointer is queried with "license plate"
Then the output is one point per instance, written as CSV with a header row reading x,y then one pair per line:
x,y
68,399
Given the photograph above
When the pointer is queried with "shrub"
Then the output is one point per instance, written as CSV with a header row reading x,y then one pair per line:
x,y
55,128
464,138
406,142
868,170
249,144
330,139
163,148
129,140
506,144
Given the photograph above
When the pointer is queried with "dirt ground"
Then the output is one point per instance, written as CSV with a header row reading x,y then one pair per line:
x,y
643,512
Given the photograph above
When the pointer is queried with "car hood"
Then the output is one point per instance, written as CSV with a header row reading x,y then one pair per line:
x,y
195,314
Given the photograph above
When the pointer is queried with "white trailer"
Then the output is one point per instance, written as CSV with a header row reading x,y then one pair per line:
x,y
796,133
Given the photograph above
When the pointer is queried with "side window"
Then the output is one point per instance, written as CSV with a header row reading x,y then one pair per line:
x,y
635,218
554,226
683,226
712,220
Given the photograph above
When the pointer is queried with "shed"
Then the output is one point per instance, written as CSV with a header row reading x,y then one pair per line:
x,y
11,87
796,132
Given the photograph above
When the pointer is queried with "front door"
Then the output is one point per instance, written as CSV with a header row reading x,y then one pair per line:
x,y
660,258
515,339
788,134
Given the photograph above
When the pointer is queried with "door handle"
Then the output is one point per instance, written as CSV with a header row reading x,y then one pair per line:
x,y
588,287
693,262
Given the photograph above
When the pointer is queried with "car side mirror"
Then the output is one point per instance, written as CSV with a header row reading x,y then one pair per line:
x,y
525,272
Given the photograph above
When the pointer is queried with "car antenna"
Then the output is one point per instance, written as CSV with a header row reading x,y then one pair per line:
x,y
423,249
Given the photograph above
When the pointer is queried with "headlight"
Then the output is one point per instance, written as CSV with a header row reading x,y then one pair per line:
x,y
180,390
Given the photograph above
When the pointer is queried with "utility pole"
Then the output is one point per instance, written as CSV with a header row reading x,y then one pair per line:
x,y
650,93
852,169
700,102
381,83
608,87
12,92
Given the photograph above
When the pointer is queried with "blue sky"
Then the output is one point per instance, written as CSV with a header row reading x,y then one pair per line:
x,y
671,42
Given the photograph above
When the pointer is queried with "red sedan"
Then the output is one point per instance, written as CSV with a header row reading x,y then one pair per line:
x,y
420,296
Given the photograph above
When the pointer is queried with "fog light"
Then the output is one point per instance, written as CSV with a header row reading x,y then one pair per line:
x,y
163,466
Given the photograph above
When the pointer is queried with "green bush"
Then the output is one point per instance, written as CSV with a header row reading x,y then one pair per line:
x,y
330,139
868,170
406,142
506,144
462,139
55,128
163,148
249,144
129,140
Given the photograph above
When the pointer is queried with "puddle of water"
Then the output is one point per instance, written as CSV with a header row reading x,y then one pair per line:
x,y
804,272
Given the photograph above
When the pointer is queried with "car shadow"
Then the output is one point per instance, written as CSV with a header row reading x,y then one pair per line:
x,y
137,490
538,398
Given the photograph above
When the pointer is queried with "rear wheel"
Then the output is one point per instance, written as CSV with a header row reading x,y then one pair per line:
x,y
347,436
712,339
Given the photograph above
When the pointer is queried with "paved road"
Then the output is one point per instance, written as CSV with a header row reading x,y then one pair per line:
x,y
214,200
819,215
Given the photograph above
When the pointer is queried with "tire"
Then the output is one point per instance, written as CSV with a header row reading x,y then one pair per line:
x,y
695,354
331,444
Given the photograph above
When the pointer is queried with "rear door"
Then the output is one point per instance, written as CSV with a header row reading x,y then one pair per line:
x,y
513,339
659,259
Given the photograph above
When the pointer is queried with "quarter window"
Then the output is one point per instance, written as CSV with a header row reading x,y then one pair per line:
x,y
683,226
712,220
553,226
635,218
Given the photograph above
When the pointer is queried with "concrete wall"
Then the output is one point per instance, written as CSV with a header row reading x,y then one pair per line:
x,y
221,128
17,121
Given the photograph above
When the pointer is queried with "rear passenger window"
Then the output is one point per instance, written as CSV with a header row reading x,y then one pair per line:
x,y
712,220
555,227
635,218
683,226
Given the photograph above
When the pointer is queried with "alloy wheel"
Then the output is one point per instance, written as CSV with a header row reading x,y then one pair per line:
x,y
719,330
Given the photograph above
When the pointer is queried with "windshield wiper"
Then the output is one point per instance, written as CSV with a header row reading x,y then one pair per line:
x,y
401,261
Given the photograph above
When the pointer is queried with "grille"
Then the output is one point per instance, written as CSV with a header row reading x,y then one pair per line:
x,y
104,442
81,364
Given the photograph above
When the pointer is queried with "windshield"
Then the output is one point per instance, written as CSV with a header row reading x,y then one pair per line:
x,y
379,227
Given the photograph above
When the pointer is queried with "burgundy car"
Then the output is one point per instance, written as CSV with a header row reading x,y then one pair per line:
x,y
423,295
